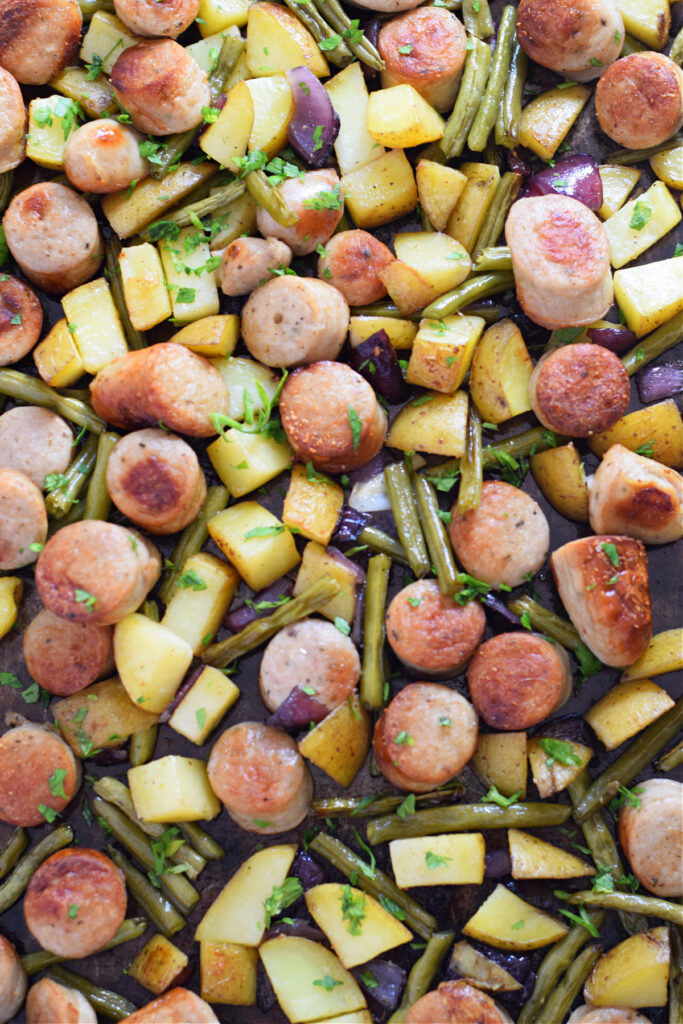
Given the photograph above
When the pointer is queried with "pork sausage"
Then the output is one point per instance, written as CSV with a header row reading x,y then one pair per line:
x,y
425,48
577,38
311,654
560,259
23,519
21,319
246,263
38,38
603,583
38,769
261,778
637,496
426,735
53,235
151,18
294,320
639,100
48,1002
331,417
430,633
161,86
35,441
175,1007
351,263
12,122
387,6
579,390
651,836
503,540
155,479
104,156
457,1002
518,679
318,202
12,981
606,1015
65,657
96,572
165,383
79,878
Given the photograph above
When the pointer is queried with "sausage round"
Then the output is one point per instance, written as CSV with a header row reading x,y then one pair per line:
x,y
23,519
312,654
561,261
261,777
151,18
96,572
637,496
84,879
503,540
457,1002
175,1007
12,980
38,38
606,1015
161,86
35,441
104,156
314,226
165,383
53,235
246,263
331,417
21,319
518,679
639,100
294,320
429,632
426,735
579,390
577,38
12,122
48,1002
425,48
29,757
608,603
351,264
651,836
154,478
65,657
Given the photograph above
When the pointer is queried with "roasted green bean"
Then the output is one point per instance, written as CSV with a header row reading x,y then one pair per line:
x,y
477,287
631,45
660,341
112,250
33,391
60,500
466,818
676,976
625,157
385,309
109,1004
215,203
383,544
312,19
560,1000
436,536
201,841
90,7
12,850
270,199
142,744
672,759
471,466
157,908
132,928
97,500
192,540
476,16
422,973
14,885
353,807
545,621
509,120
336,16
404,511
676,51
372,675
488,311
493,258
632,903
470,95
6,180
494,222
485,117
531,441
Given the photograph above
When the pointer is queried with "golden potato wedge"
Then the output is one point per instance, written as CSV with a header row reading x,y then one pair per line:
x,y
407,287
668,166
647,20
204,705
549,775
469,963
442,352
259,546
211,336
664,653
200,599
399,117
245,461
401,332
354,146
338,745
617,184
144,286
312,504
559,473
440,260
316,562
357,925
547,119
380,191
218,15
499,378
102,715
433,423
626,709
57,359
439,860
532,857
659,424
294,965
151,661
508,922
173,788
228,973
277,41
464,224
501,761
273,106
228,137
640,223
439,188
650,294
149,200
634,973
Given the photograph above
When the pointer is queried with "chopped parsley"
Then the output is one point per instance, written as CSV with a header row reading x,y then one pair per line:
x,y
560,751
433,860
353,909
327,983
56,782
406,807
281,897
342,625
325,200
612,553
494,797
642,213
356,427
264,531
406,49
86,598
191,580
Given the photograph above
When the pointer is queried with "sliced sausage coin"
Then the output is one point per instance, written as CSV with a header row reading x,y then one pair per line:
x,y
247,262
35,441
351,262
12,981
38,38
161,86
48,1002
637,496
175,1007
21,319
579,390
425,48
104,156
578,39
151,18
651,836
23,519
12,122
65,657
317,200
639,100
39,772
457,1002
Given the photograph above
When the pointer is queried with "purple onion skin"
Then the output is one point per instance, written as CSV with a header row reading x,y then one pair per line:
x,y
368,470
182,692
574,176
616,339
498,607
518,163
349,527
314,124
659,382
236,620
308,871
110,756
516,964
497,864
570,728
296,711
371,32
298,927
390,978
265,994
376,360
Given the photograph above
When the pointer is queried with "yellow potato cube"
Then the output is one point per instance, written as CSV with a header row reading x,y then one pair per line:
x,y
668,166
228,973
400,117
617,184
128,212
259,546
57,359
380,191
102,715
240,376
315,564
443,263
202,596
442,352
633,973
647,20
190,277
11,590
173,788
144,286
547,119
312,504
407,287
660,424
205,51
246,461
628,707
151,661
354,146
158,964
210,336
339,744
438,860
500,761
434,423
466,221
361,940
501,368
650,294
227,138
439,188
51,120
532,857
277,41
95,324
201,709
273,106
401,332
664,653
218,15
293,966
641,223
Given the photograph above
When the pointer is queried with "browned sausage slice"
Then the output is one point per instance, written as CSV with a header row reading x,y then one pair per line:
x,y
151,18
38,37
65,657
577,38
313,655
23,519
21,319
317,200
36,767
606,1015
179,1006
637,496
104,156
651,835
351,263
579,390
12,980
35,441
12,122
639,100
457,1002
161,86
48,1002
247,262
425,48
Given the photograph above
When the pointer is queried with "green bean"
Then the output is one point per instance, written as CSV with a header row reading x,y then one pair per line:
x,y
485,117
509,120
471,466
171,151
560,1000
528,443
422,973
474,288
383,803
404,511
59,501
631,45
545,621
676,976
192,540
82,394
157,908
112,250
215,203
637,756
311,18
376,883
109,1004
131,928
650,906
436,536
90,7
150,609
257,632
6,179
14,885
470,95
493,258
476,16
33,391
425,222
676,51
74,515
466,818
385,309
372,678
494,222
361,47
672,759
201,841
490,313
626,157
270,199
12,850
142,744
97,500
660,341
556,961
383,544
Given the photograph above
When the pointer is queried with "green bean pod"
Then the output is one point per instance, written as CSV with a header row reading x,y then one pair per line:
x,y
372,674
215,203
632,903
404,511
476,16
353,807
545,621
488,312
109,1004
12,850
383,544
660,341
97,500
676,976
312,19
506,192
477,287
90,7
112,250
6,180
436,536
470,95
510,121
676,51
131,928
485,117
672,759
60,501
142,744
192,540
384,309
466,818
156,907
362,48
528,443
202,842
493,258
15,884
560,1000
270,199
423,973
471,466
33,391
626,157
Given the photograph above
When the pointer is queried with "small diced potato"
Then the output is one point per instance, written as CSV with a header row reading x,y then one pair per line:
x,y
664,653
659,424
650,294
647,20
501,368
173,788
439,860
106,38
189,277
51,119
102,715
259,546
549,775
374,934
339,744
508,922
316,563
465,223
469,963
442,352
241,375
210,336
634,973
433,423
11,590
218,15
439,189
144,287
57,359
96,97
312,504
560,475
204,705
399,117
547,119
640,223
668,166
500,761
628,707
294,965
128,212
401,332
354,146
228,973
158,964
273,105
202,595
617,184
205,51
442,262
150,660
95,324
245,461
277,41
380,191
407,287
532,857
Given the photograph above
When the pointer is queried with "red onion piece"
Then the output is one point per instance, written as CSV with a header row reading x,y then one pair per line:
x,y
350,525
296,711
299,927
376,360
497,864
315,124
389,982
616,339
337,556
659,382
183,691
574,176
240,617
308,871
495,604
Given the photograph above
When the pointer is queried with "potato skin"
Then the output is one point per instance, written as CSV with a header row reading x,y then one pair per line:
x,y
38,38
29,755
162,88
435,61
639,100
65,657
592,377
